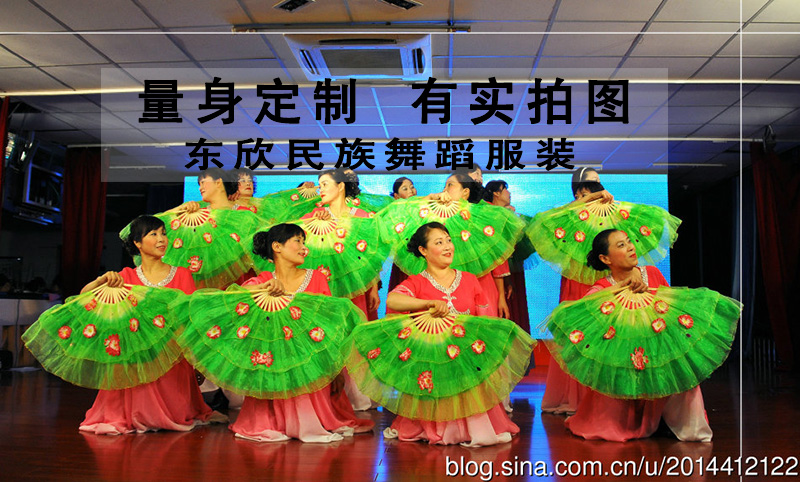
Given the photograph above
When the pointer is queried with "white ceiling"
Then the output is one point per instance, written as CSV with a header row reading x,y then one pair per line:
x,y
60,56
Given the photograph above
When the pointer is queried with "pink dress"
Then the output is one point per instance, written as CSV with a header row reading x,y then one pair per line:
x,y
322,416
173,402
562,393
490,288
464,296
600,417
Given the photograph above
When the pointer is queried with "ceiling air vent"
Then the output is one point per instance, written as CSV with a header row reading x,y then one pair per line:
x,y
402,57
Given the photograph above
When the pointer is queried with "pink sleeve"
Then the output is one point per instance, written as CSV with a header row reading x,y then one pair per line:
x,y
408,288
594,289
311,214
655,278
257,280
501,271
481,304
320,284
183,281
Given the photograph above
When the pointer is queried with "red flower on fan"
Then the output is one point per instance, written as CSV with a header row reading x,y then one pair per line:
x,y
91,305
243,331
317,334
404,333
458,331
583,215
624,213
338,247
175,224
465,235
112,345
235,237
261,358
295,312
361,245
133,299
425,381
645,231
214,332
453,351
287,333
661,307
159,321
580,236
465,214
64,332
319,204
295,197
242,308
686,321
212,222
405,355
371,214
607,307
134,325
195,263
488,231
479,347
325,271
560,233
576,336
341,232
253,209
207,237
423,212
658,325
178,243
373,354
356,202
90,331
610,333
639,358
399,227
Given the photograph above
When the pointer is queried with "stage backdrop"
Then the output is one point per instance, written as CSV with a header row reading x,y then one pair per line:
x,y
530,194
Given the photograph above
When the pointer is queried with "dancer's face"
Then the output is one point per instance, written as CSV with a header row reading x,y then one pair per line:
x,y
455,190
621,252
438,248
477,176
154,243
330,190
245,185
209,187
294,250
406,190
502,197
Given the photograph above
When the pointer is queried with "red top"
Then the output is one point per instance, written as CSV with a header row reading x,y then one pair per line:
x,y
314,282
651,275
354,212
463,296
572,290
178,278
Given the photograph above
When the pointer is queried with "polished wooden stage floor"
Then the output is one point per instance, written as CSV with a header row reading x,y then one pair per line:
x,y
39,440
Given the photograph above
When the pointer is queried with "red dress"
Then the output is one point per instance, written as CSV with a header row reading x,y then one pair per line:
x,y
465,296
321,416
562,393
490,288
600,417
173,402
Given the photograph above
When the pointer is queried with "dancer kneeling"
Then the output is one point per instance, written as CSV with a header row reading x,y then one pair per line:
x,y
444,371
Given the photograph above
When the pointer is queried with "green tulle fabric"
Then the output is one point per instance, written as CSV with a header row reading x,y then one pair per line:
x,y
454,367
108,346
484,235
346,250
285,206
563,236
622,355
293,350
216,251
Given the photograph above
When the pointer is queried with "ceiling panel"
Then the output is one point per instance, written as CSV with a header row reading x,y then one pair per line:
x,y
51,49
780,11
770,39
224,46
22,16
520,45
200,13
684,39
512,10
116,14
678,68
27,79
607,11
708,10
578,39
752,68
149,47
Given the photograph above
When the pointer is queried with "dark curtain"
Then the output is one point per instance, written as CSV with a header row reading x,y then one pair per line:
x,y
84,214
4,133
777,196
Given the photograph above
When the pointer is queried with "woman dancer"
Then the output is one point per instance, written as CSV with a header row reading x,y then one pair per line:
x,y
453,403
403,188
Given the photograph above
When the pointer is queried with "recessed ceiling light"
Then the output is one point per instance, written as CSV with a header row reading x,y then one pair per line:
x,y
404,4
292,5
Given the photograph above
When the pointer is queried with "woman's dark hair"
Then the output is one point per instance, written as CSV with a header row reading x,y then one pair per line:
x,y
139,229
475,188
238,173
351,189
493,187
579,176
399,182
231,186
599,246
592,186
420,237
280,233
